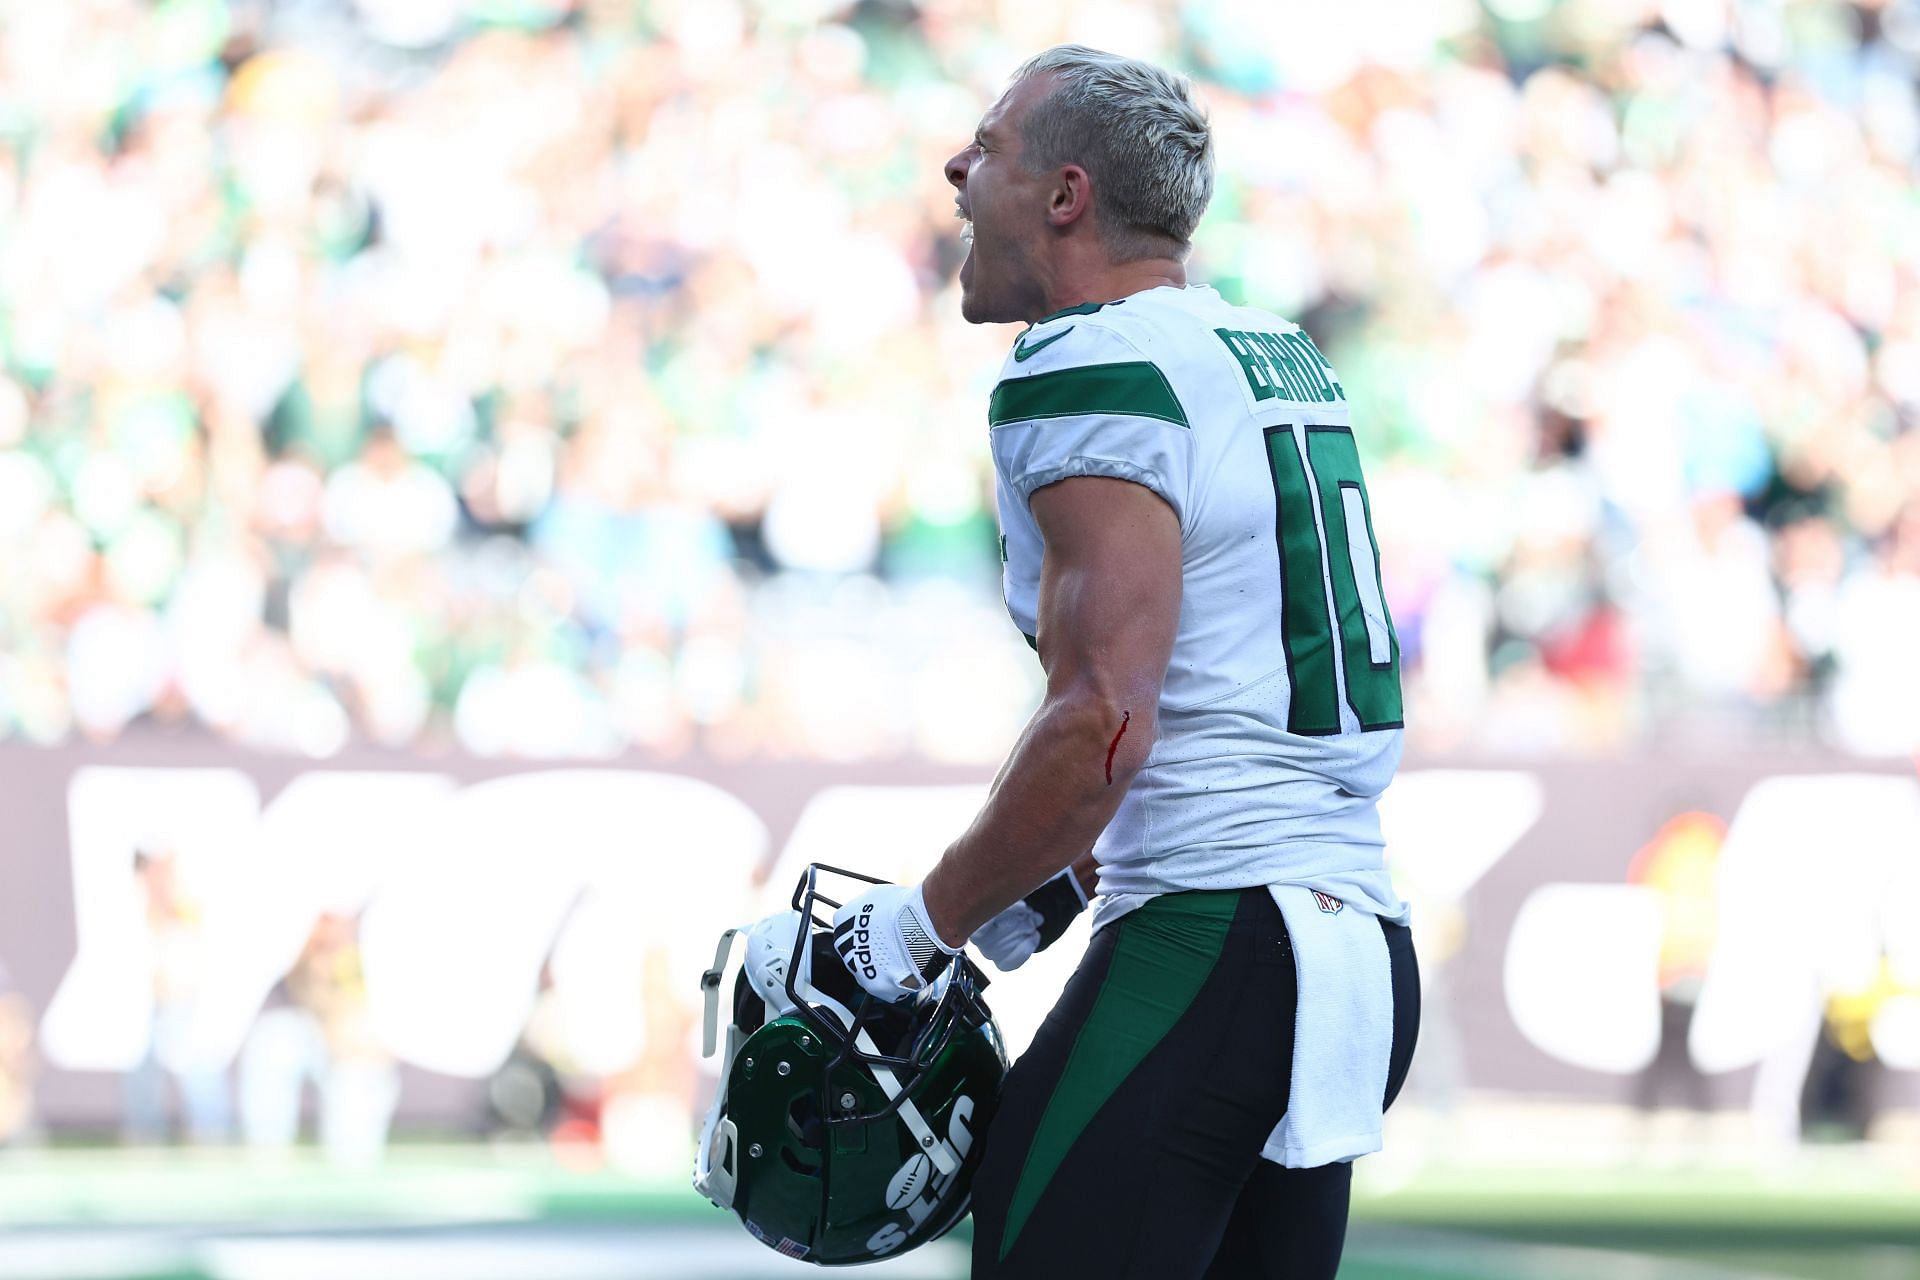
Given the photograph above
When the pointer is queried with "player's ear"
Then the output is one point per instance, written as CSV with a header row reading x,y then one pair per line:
x,y
1072,196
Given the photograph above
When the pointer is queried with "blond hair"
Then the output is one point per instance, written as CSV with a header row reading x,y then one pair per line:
x,y
1138,133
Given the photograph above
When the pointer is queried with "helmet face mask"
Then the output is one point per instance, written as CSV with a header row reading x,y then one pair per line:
x,y
845,1129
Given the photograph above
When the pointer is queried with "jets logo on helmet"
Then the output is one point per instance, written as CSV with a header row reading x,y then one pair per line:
x,y
906,1184
844,1127
901,1192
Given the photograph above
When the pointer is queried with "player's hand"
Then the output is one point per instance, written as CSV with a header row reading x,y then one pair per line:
x,y
1032,924
887,941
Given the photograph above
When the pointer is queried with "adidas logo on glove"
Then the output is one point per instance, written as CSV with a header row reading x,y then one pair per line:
x,y
888,944
854,942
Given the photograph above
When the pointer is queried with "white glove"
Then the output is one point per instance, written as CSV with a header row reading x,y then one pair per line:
x,y
1032,924
886,939
1010,938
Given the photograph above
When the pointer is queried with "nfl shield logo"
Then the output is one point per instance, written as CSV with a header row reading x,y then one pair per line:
x,y
1327,902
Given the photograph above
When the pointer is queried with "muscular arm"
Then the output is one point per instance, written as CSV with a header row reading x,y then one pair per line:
x,y
1109,606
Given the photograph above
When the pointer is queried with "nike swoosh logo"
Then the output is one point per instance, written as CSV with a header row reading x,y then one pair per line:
x,y
1021,351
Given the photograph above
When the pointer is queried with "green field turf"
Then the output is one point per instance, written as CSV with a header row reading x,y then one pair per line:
x,y
214,1216
1829,1219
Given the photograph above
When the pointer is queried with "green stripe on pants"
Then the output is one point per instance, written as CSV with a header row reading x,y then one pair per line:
x,y
1163,956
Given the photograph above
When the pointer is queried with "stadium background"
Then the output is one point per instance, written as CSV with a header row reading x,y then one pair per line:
x,y
488,486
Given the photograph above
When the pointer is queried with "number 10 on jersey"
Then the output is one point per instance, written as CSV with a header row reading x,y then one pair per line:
x,y
1327,549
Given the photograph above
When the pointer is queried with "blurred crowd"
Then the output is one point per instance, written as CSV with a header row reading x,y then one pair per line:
x,y
558,377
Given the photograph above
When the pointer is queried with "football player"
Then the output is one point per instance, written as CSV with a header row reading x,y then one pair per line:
x,y
1189,548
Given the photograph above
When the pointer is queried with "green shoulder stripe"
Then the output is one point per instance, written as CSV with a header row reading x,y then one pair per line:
x,y
1135,389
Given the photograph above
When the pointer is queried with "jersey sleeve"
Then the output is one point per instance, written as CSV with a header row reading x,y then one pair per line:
x,y
1095,407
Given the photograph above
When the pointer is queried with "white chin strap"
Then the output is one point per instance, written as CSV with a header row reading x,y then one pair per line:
x,y
716,1168
944,1158
710,989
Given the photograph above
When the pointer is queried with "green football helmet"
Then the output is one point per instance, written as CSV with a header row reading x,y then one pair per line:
x,y
844,1129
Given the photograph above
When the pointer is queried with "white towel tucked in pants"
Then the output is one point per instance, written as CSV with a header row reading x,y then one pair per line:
x,y
1343,1031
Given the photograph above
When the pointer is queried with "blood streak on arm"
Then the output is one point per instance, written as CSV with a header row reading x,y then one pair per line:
x,y
1115,744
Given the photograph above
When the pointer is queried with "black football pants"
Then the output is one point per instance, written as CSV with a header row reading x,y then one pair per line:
x,y
1129,1134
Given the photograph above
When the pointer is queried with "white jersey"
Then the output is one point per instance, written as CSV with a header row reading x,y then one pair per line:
x,y
1280,716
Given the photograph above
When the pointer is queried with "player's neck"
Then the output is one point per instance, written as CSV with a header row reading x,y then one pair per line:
x,y
1109,282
